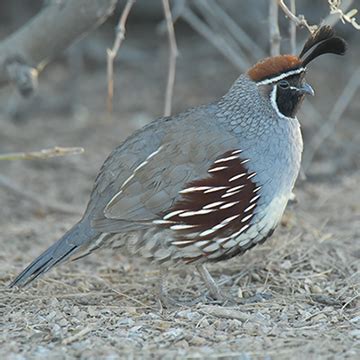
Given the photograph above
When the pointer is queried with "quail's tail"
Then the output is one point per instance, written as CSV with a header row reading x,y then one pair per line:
x,y
69,244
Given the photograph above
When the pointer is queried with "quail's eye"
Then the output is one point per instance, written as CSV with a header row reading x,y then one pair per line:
x,y
284,84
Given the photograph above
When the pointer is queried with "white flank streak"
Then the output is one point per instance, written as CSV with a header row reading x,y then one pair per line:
x,y
251,175
245,161
182,227
246,218
226,159
219,168
249,207
281,76
240,231
236,177
222,240
228,205
182,242
235,188
229,194
154,153
162,222
197,212
140,166
257,189
254,198
207,232
219,226
113,199
173,213
214,204
236,152
194,188
217,188
231,218
127,181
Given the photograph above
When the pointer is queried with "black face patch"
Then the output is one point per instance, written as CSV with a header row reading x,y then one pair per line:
x,y
288,97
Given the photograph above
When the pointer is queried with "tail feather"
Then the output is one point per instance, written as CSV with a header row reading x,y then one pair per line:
x,y
69,244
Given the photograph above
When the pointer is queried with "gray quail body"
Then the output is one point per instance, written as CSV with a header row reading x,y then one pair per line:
x,y
207,184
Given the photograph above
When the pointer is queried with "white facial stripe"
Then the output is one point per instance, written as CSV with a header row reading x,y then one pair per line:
x,y
281,76
274,104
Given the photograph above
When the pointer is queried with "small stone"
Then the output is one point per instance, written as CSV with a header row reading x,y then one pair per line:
x,y
92,311
319,318
315,289
286,265
198,341
63,322
182,344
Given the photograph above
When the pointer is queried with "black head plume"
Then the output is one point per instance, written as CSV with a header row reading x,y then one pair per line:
x,y
325,41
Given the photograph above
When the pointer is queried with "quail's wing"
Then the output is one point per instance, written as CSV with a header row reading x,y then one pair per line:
x,y
138,189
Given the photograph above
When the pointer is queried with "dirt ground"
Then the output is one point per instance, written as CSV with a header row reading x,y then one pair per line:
x,y
298,294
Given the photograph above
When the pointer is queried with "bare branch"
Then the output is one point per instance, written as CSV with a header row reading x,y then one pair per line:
x,y
24,53
292,28
274,28
43,154
236,31
214,38
335,115
172,58
111,53
298,20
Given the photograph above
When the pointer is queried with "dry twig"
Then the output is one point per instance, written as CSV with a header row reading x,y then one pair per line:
x,y
43,154
274,28
344,17
111,53
172,58
298,20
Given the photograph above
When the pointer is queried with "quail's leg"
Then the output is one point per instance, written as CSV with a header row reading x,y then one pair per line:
x,y
214,290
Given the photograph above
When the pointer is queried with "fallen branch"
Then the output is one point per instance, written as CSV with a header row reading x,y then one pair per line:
x,y
172,58
111,53
26,52
42,154
224,312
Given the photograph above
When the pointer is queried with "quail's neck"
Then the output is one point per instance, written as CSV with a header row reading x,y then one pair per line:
x,y
244,108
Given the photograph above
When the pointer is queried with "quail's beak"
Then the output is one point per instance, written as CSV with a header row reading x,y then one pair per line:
x,y
306,89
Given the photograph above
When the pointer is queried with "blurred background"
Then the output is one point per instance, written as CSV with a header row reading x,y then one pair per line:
x,y
217,40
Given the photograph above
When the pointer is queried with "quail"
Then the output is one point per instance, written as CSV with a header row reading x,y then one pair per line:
x,y
204,185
